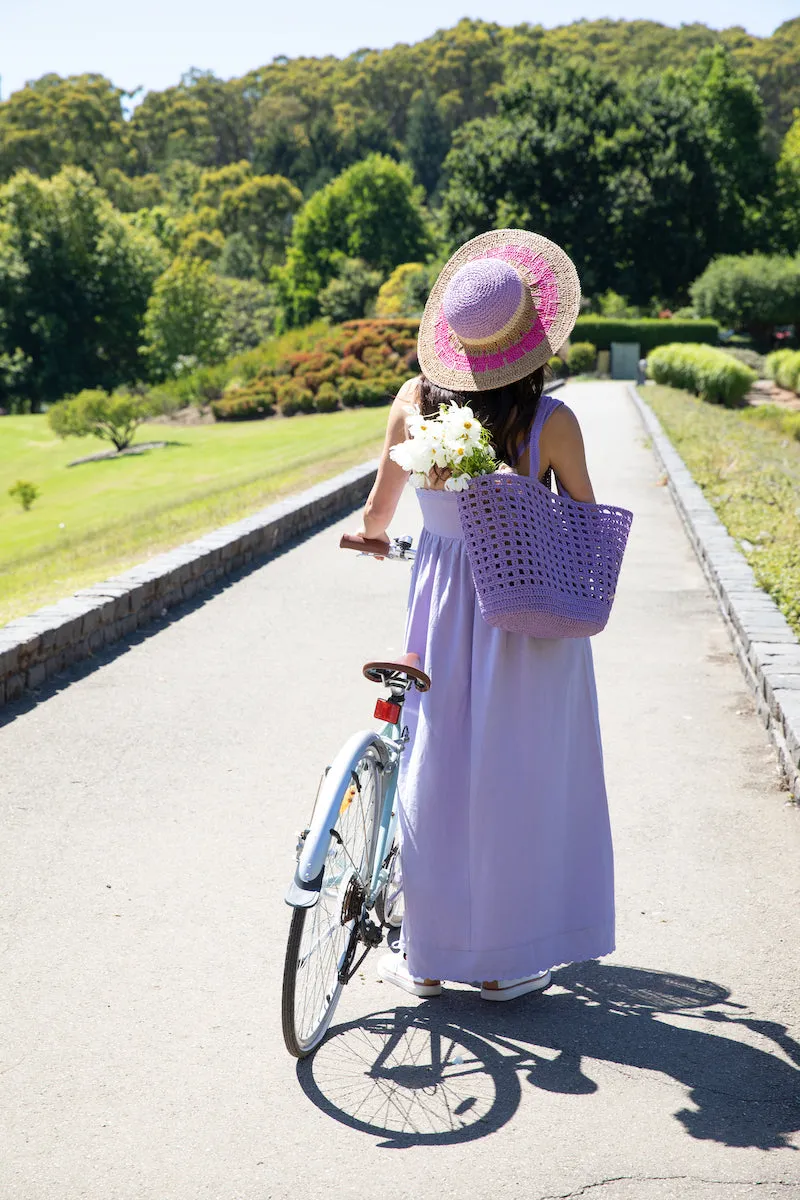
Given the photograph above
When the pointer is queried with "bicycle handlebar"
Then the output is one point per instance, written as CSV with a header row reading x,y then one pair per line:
x,y
396,548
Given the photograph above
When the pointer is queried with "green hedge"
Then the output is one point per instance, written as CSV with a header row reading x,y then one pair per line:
x,y
702,370
581,358
648,332
784,367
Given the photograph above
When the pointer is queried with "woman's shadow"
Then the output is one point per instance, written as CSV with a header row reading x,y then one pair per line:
x,y
451,1070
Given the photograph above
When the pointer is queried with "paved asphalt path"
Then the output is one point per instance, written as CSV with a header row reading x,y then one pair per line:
x,y
149,814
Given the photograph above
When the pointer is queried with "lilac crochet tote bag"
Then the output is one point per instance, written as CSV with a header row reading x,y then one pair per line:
x,y
543,564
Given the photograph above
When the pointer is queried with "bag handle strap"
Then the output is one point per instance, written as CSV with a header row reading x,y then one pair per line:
x,y
546,407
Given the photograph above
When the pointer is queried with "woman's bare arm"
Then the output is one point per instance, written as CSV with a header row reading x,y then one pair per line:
x,y
561,447
391,479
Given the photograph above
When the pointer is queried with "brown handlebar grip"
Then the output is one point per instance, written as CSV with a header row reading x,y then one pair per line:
x,y
366,545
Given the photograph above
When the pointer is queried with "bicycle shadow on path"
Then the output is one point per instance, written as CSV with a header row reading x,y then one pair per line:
x,y
451,1069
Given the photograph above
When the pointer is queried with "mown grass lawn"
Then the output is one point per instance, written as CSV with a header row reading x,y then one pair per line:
x,y
750,474
96,519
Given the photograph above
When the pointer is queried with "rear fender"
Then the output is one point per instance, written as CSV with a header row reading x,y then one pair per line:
x,y
304,889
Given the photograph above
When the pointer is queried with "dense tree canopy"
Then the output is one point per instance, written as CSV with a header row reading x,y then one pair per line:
x,y
75,278
788,196
53,122
185,318
298,189
641,182
372,212
308,119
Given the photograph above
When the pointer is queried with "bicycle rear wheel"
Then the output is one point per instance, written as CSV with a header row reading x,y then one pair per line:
x,y
319,936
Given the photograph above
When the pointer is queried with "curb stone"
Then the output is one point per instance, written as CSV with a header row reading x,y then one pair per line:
x,y
765,645
36,647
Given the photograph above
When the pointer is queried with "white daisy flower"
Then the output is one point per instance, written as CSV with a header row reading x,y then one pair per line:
x,y
457,483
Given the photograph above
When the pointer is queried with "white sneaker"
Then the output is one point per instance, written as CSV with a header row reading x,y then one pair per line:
x,y
392,969
509,989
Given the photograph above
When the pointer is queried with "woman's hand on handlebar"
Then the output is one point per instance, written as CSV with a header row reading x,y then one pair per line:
x,y
383,537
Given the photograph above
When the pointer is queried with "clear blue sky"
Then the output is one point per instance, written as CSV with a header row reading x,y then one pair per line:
x,y
152,42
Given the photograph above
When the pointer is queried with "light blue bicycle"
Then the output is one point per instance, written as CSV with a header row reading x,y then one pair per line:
x,y
347,887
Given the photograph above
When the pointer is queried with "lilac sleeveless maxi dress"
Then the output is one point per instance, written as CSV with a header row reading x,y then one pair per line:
x,y
506,847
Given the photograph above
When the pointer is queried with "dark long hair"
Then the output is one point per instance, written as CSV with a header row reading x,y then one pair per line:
x,y
507,412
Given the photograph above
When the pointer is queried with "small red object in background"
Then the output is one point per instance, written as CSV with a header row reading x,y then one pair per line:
x,y
385,710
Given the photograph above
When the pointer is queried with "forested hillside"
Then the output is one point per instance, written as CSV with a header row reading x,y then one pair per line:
x,y
307,119
134,247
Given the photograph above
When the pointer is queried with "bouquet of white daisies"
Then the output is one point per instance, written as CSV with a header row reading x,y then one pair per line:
x,y
454,441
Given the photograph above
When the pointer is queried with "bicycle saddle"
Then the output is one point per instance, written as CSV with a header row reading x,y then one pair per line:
x,y
398,670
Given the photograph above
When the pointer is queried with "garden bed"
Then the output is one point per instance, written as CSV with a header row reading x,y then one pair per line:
x,y
747,462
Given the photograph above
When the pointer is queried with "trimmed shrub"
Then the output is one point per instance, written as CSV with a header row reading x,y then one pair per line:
x,y
750,291
557,366
309,379
376,356
647,331
352,367
317,362
327,398
784,367
581,358
350,393
374,392
244,404
773,362
706,372
295,399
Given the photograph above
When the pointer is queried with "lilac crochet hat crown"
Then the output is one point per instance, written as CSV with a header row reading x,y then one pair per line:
x,y
504,303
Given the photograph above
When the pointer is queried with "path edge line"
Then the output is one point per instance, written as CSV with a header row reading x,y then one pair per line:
x,y
36,647
764,643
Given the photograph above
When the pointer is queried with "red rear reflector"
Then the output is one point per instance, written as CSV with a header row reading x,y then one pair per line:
x,y
385,710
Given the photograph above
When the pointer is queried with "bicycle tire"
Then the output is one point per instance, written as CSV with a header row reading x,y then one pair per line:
x,y
319,935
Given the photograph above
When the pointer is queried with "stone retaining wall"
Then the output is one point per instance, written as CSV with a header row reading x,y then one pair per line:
x,y
767,649
34,648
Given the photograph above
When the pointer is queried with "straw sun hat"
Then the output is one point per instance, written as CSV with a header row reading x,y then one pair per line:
x,y
504,303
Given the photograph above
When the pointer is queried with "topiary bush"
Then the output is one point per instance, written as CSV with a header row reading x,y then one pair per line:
x,y
379,353
558,367
703,370
374,392
327,398
350,393
295,399
352,367
251,403
581,358
784,367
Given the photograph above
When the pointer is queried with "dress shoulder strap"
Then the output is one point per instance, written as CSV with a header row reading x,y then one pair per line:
x,y
546,407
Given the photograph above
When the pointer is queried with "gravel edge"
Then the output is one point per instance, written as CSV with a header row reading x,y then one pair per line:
x,y
36,647
765,645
